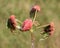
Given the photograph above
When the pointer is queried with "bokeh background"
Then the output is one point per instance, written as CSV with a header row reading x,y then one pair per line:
x,y
50,12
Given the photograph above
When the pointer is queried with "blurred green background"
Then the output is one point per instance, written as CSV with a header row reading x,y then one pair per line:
x,y
50,12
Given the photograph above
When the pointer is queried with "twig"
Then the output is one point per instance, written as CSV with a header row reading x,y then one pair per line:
x,y
42,26
32,36
34,16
